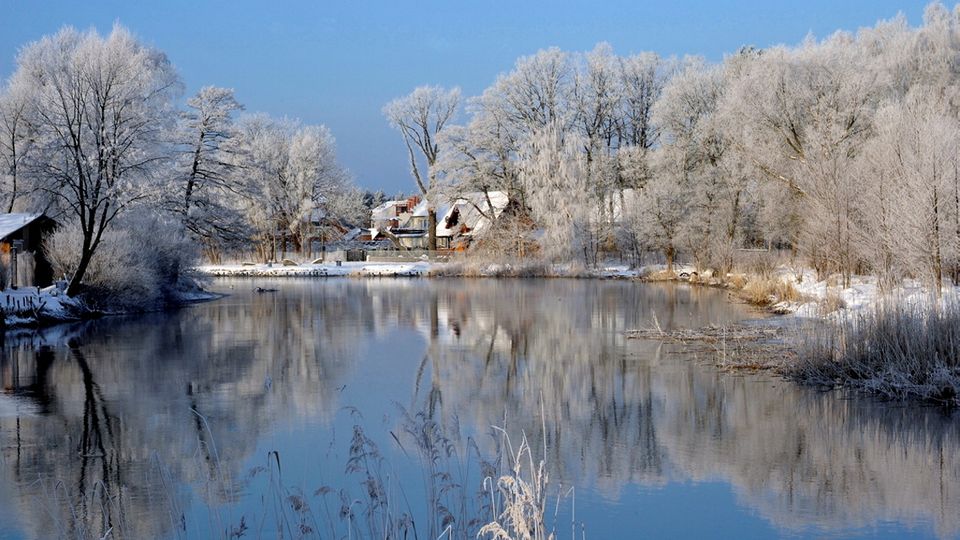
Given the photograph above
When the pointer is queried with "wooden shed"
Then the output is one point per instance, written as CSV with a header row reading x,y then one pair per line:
x,y
25,233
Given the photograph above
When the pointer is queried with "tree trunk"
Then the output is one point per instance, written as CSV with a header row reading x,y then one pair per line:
x,y
191,180
86,255
937,257
432,229
956,225
13,186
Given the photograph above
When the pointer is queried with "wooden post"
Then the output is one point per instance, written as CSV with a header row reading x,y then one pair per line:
x,y
14,251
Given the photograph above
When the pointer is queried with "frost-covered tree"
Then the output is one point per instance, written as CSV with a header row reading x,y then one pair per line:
x,y
536,94
595,97
208,188
520,104
912,181
98,107
657,218
421,118
696,156
553,172
642,79
291,170
15,142
476,158
805,114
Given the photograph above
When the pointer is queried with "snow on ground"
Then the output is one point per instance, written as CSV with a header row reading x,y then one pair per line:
x,y
406,269
25,305
398,269
862,294
617,271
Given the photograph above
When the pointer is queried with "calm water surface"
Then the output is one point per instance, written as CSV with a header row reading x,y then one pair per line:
x,y
244,411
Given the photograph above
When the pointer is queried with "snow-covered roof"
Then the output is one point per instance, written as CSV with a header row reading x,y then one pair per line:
x,y
386,205
472,208
385,210
473,211
11,223
475,199
352,234
420,210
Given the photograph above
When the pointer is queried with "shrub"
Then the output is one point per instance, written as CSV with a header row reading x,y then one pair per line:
x,y
737,281
139,263
765,291
658,275
476,266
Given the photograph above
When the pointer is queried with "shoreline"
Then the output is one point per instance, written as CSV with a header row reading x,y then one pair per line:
x,y
67,310
415,269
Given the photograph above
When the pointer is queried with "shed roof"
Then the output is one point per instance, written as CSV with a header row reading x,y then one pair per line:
x,y
11,223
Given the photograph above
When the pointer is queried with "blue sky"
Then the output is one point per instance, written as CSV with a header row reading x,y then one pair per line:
x,y
338,62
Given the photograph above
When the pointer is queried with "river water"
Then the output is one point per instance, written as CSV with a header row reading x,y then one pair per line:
x,y
344,408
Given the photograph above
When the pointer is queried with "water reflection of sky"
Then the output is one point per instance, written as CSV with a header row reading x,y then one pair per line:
x,y
654,442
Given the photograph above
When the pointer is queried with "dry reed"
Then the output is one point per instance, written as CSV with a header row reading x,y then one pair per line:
x,y
898,350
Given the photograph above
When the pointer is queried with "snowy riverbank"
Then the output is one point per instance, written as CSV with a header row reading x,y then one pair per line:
x,y
29,306
416,269
360,269
827,298
32,307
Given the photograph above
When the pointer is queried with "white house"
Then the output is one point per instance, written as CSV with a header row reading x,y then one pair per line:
x,y
459,220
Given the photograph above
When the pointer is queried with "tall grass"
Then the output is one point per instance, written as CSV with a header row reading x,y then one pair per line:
x,y
764,291
898,350
518,499
466,493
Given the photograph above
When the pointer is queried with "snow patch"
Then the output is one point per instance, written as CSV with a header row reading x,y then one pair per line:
x,y
28,305
827,298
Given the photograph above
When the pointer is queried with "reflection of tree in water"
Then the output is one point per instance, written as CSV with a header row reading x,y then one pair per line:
x,y
629,412
115,410
117,402
804,458
98,427
514,343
